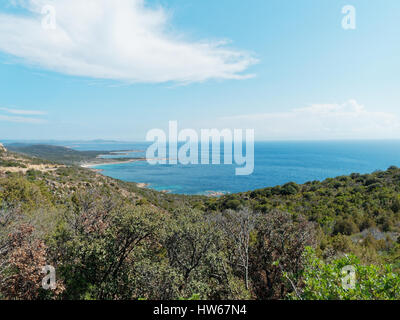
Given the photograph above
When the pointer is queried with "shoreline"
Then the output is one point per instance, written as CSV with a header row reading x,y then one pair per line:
x,y
124,152
93,164
112,161
144,185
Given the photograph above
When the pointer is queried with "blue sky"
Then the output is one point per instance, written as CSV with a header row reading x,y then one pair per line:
x,y
117,69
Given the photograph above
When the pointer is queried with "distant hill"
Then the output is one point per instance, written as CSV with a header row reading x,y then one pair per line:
x,y
55,153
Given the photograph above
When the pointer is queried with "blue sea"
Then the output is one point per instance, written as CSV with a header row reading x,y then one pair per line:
x,y
276,163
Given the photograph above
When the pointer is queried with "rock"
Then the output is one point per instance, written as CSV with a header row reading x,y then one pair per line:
x,y
2,148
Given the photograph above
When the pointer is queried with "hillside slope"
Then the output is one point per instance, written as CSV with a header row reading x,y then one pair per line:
x,y
110,239
62,154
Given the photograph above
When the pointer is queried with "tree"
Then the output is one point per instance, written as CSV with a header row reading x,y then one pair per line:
x,y
100,242
277,257
191,244
237,227
21,263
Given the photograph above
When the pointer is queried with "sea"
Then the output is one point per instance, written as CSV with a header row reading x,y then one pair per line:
x,y
275,163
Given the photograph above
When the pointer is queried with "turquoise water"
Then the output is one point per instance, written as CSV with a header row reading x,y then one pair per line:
x,y
276,163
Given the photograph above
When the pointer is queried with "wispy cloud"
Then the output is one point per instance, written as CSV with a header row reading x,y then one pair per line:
x,y
23,112
121,40
19,116
21,119
349,120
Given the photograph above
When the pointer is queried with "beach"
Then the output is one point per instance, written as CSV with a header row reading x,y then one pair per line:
x,y
111,162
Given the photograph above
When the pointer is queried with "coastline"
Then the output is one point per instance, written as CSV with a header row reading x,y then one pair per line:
x,y
95,164
144,185
111,161
125,152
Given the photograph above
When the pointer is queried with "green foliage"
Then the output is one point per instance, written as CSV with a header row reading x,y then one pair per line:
x,y
192,243
350,206
55,153
349,201
346,227
11,163
324,281
277,252
26,194
110,239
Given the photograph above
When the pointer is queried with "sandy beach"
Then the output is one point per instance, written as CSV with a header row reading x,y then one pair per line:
x,y
142,185
95,164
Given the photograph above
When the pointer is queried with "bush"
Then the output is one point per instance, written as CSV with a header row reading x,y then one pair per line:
x,y
345,227
324,281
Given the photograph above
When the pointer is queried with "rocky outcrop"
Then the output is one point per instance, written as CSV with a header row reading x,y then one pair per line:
x,y
2,148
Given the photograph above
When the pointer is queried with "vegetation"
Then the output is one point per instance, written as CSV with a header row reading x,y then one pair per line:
x,y
59,154
323,281
109,239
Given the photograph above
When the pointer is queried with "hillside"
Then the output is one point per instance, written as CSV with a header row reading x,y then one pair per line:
x,y
62,154
342,205
110,239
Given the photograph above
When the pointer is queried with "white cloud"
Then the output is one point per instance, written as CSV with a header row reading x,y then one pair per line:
x,y
349,120
115,39
17,116
23,112
21,119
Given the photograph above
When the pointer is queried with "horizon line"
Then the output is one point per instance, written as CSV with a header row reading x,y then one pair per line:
x,y
144,141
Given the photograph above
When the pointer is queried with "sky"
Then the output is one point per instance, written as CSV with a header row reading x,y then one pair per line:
x,y
117,69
